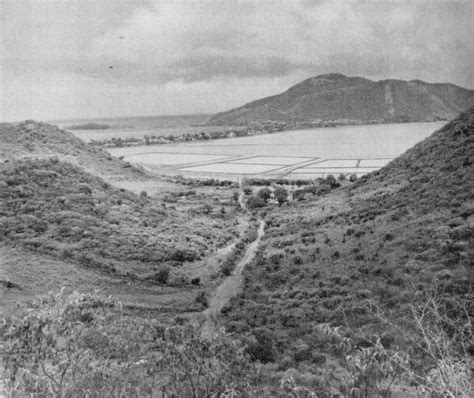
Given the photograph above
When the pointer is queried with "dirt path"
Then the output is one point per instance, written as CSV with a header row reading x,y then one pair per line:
x,y
231,285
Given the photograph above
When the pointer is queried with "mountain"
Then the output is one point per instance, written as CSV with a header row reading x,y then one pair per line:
x,y
335,97
365,259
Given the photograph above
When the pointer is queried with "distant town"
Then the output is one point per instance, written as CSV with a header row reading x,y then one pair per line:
x,y
255,128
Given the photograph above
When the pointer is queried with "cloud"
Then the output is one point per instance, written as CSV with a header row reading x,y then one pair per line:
x,y
207,50
200,40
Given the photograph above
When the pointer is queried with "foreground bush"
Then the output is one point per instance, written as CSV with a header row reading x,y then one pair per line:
x,y
68,345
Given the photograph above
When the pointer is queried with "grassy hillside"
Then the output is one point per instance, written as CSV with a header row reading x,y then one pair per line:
x,y
362,259
338,97
54,208
30,139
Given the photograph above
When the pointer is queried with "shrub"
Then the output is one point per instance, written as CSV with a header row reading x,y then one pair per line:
x,y
281,195
255,202
201,298
353,178
265,194
162,275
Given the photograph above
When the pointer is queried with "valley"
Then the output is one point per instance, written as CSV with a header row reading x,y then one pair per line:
x,y
279,259
236,199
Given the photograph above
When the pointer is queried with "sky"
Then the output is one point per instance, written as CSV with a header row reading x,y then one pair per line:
x,y
107,58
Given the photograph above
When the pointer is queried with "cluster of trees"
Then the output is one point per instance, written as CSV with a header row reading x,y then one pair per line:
x,y
281,195
204,182
265,194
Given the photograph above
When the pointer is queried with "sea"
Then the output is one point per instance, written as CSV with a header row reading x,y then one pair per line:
x,y
139,126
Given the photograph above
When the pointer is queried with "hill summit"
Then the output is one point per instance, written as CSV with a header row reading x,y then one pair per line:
x,y
36,140
336,97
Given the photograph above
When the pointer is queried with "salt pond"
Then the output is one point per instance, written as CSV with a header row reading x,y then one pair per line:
x,y
172,158
347,149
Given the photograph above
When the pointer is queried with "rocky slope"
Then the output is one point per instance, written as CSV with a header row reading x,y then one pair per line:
x,y
354,99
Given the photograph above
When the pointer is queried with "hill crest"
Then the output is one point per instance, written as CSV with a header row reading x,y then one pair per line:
x,y
32,139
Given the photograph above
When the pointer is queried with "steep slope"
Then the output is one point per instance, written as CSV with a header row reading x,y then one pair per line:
x,y
338,97
397,238
30,139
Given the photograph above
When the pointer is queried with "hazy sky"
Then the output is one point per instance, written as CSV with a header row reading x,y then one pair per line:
x,y
99,58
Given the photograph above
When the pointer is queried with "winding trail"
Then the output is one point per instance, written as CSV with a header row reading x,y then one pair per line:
x,y
231,285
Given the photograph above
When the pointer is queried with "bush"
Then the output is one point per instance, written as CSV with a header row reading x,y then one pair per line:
x,y
265,194
255,202
162,276
281,195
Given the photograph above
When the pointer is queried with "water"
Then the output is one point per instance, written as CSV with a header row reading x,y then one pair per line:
x,y
138,127
303,154
343,142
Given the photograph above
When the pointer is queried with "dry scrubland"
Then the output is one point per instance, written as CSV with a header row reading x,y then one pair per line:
x,y
62,226
359,290
363,259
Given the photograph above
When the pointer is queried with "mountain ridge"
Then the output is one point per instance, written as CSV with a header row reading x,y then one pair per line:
x,y
334,96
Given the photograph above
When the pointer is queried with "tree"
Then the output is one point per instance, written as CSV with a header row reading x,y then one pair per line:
x,y
255,201
353,178
265,194
332,182
281,195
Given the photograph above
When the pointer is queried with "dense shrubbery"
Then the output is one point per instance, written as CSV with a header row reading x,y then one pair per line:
x,y
76,345
196,182
68,345
55,208
390,246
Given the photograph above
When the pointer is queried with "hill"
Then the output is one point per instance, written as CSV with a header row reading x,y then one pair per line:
x,y
335,97
30,139
368,260
52,209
